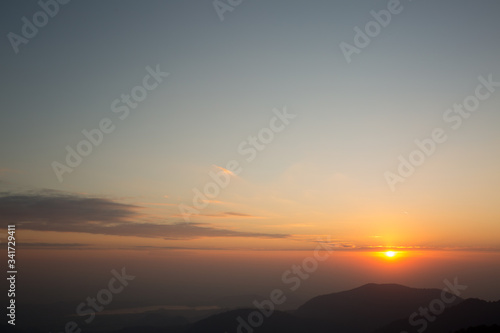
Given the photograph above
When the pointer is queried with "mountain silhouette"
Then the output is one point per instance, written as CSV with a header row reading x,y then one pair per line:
x,y
481,329
372,308
369,307
467,314
360,310
236,321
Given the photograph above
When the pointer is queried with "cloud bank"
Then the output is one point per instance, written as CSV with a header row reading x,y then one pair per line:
x,y
53,211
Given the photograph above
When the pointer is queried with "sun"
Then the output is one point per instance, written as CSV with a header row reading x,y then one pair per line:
x,y
390,254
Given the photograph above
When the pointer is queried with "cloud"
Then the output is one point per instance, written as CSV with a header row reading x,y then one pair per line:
x,y
46,208
224,170
347,246
237,214
383,248
54,245
62,212
222,215
227,214
157,204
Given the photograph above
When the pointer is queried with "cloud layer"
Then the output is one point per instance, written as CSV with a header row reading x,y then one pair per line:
x,y
52,211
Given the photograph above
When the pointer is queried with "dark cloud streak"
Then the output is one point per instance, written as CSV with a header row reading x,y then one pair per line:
x,y
52,211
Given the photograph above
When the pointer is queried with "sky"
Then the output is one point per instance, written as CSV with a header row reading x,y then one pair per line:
x,y
254,133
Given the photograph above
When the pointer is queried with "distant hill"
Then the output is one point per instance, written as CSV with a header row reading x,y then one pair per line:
x,y
377,308
481,329
246,301
362,310
368,307
468,314
277,322
372,308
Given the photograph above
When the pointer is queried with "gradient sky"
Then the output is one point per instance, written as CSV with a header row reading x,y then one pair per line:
x,y
322,176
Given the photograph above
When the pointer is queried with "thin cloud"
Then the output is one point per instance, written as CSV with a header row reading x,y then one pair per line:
x,y
237,214
226,171
54,245
157,204
53,211
223,215
213,201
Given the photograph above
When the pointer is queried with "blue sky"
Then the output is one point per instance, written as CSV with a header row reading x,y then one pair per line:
x,y
353,120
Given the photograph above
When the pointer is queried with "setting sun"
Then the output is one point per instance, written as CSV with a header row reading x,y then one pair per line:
x,y
390,254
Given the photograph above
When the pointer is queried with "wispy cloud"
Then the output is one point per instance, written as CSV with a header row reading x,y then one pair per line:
x,y
381,248
223,215
158,204
226,171
63,212
40,245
